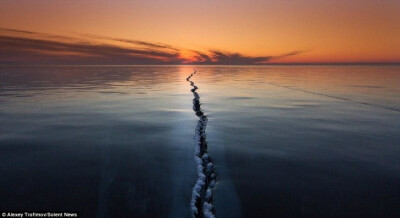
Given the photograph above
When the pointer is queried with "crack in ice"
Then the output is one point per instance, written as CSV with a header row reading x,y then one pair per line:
x,y
202,193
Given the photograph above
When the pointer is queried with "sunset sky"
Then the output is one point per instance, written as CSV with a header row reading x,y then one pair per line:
x,y
199,32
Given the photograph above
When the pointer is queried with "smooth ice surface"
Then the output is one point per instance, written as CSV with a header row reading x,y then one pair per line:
x,y
118,141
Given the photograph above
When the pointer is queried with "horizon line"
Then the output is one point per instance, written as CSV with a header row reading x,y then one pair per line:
x,y
208,64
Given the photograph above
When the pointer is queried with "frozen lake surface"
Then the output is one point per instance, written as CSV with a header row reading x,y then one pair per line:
x,y
119,141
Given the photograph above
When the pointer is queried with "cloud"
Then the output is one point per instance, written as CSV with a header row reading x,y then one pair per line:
x,y
236,58
27,47
201,57
291,54
226,58
136,42
35,34
17,31
50,50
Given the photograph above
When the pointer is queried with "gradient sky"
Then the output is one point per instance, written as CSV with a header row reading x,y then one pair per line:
x,y
216,32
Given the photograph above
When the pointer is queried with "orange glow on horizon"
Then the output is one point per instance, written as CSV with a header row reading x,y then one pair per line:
x,y
329,32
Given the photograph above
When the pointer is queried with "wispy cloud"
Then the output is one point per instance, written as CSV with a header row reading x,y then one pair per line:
x,y
27,47
227,58
36,48
34,34
149,45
